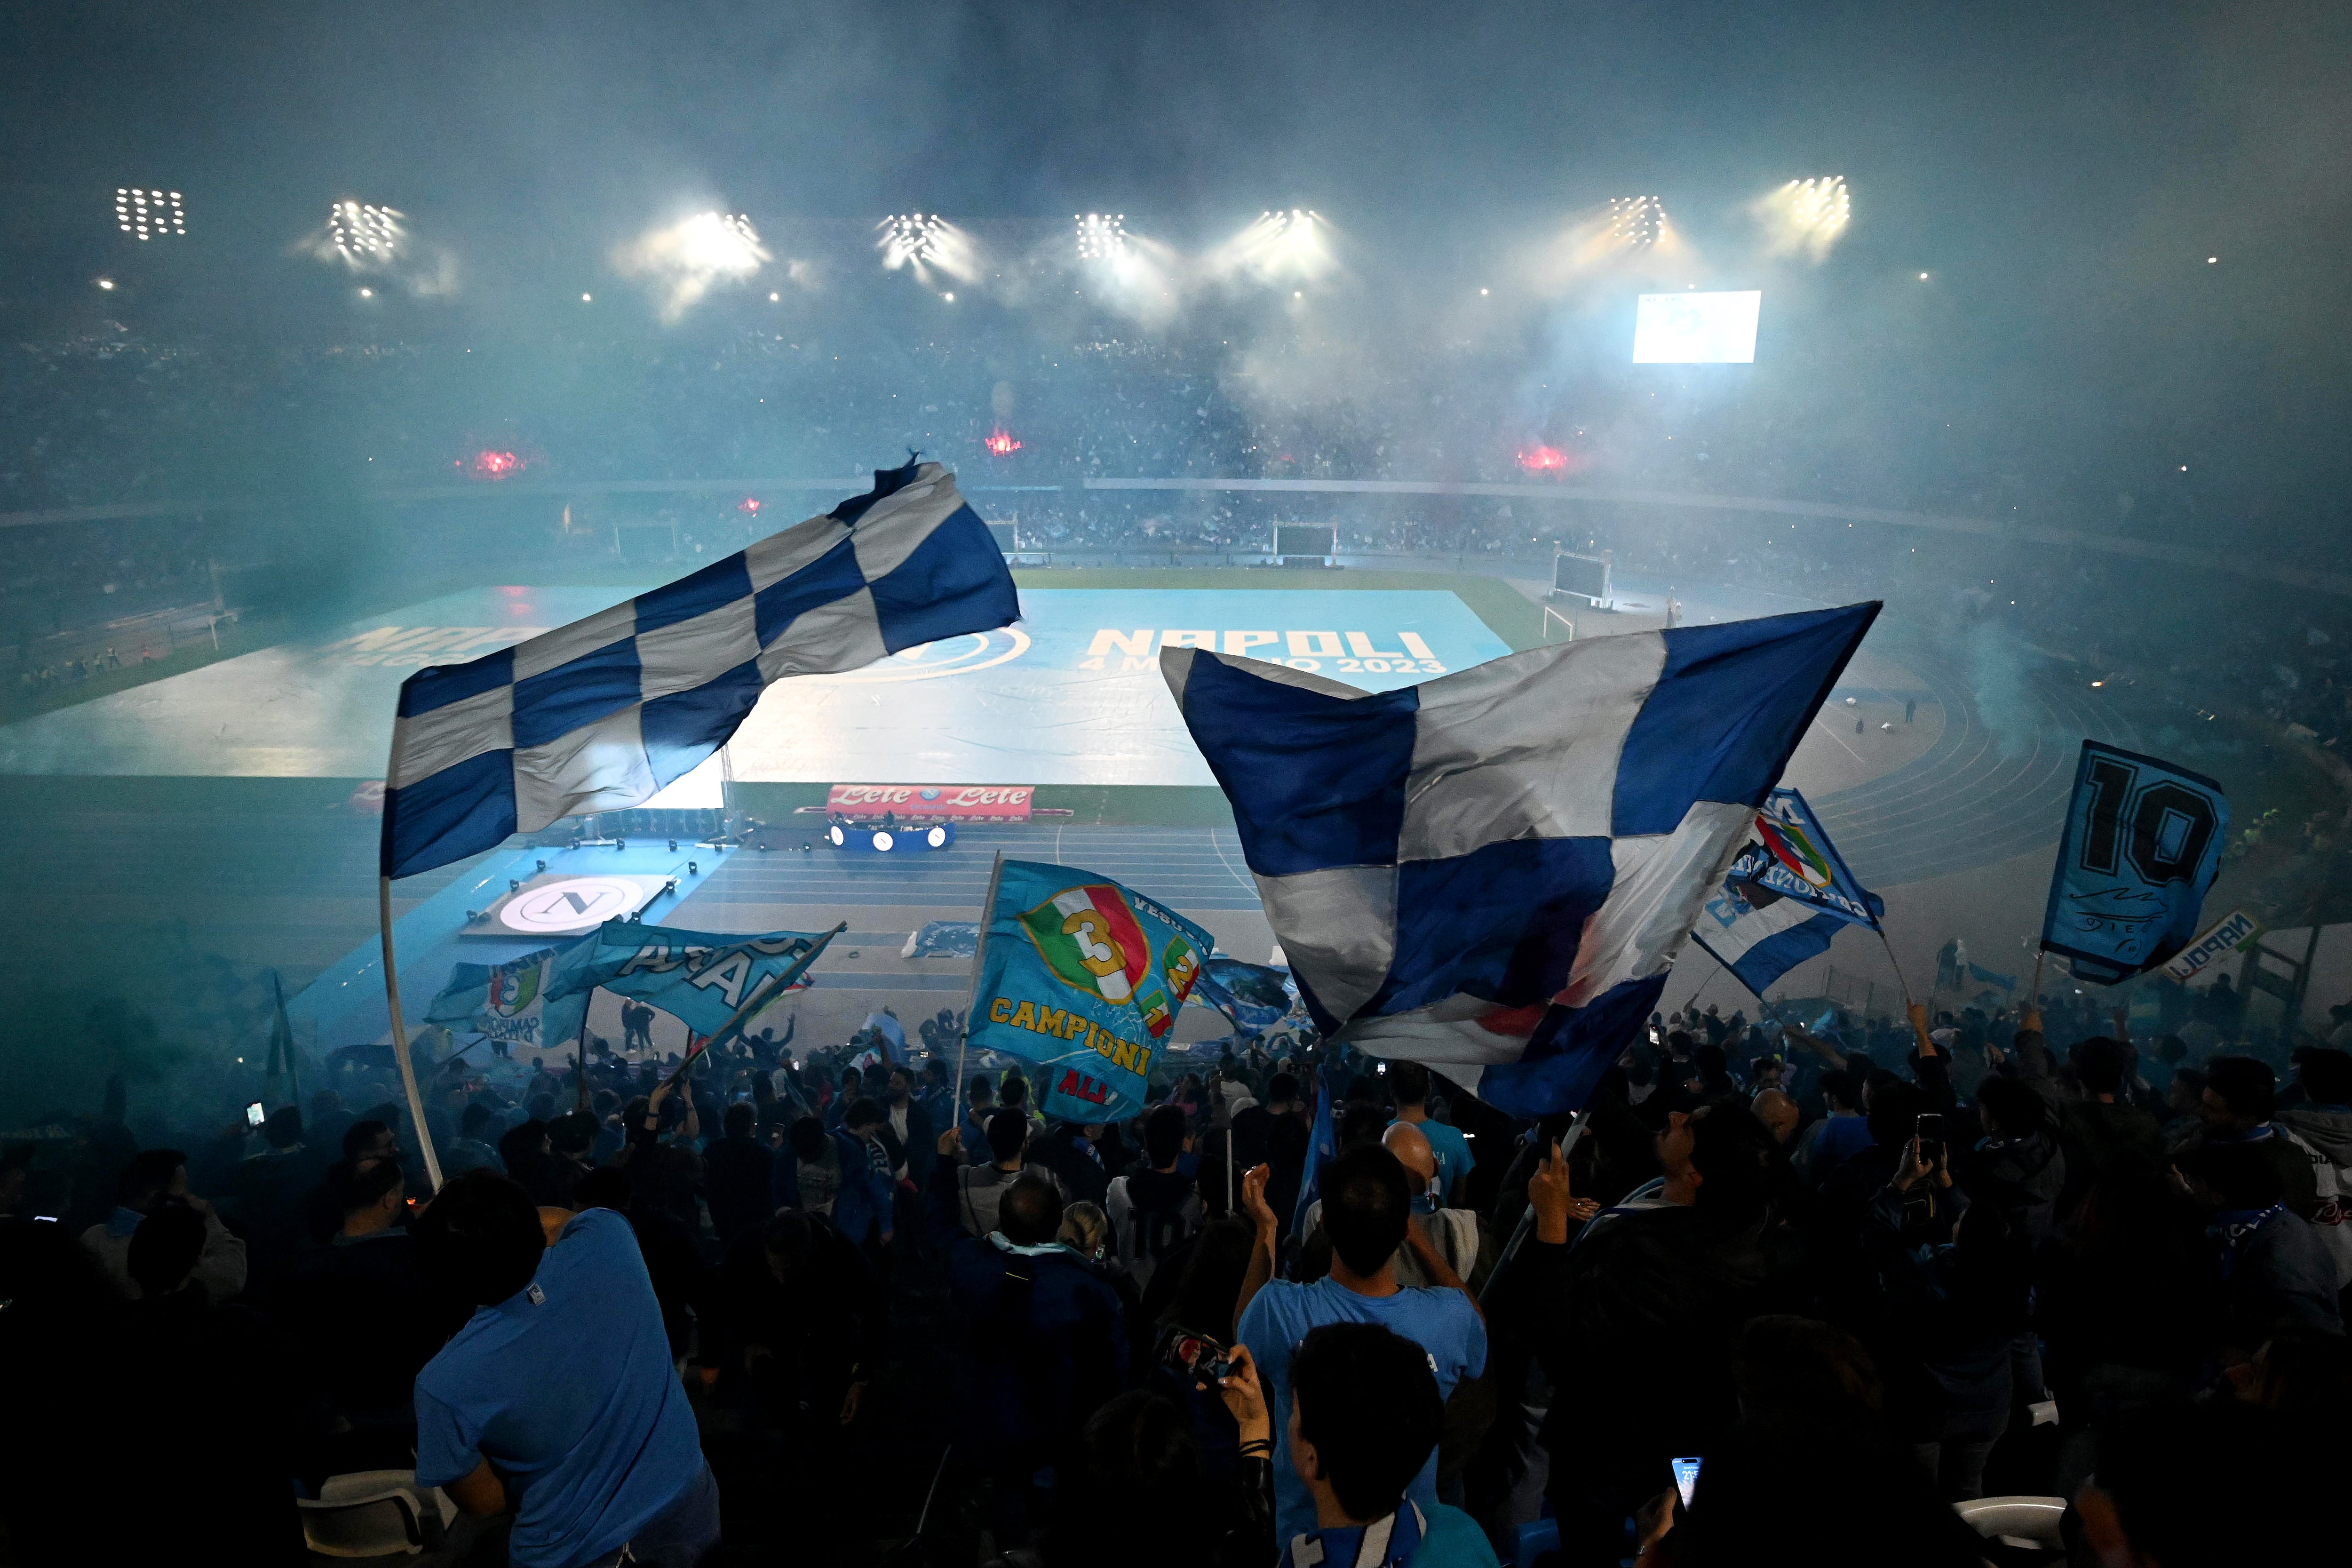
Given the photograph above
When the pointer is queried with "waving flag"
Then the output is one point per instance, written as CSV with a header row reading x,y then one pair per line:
x,y
1785,897
1084,978
1255,996
2142,846
509,1002
1493,870
599,715
699,978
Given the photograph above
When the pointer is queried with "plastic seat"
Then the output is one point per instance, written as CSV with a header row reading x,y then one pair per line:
x,y
374,1513
2030,1522
1536,1538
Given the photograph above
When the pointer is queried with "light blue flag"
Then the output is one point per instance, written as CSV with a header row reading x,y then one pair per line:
x,y
698,978
1322,1144
1082,977
2143,844
1255,996
509,1002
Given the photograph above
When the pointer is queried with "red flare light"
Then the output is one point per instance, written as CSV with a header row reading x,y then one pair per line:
x,y
489,464
1001,444
750,504
1543,460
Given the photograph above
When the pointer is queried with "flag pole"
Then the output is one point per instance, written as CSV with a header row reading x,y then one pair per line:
x,y
399,1036
759,998
580,1058
293,1082
979,968
1896,964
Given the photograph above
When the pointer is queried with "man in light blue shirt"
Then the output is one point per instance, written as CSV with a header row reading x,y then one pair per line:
x,y
1408,1082
1367,1209
558,1397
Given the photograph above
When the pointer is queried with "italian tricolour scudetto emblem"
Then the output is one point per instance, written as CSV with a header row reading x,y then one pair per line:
x,y
1091,940
1791,846
513,989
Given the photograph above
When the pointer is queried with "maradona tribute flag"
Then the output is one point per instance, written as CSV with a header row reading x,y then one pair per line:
x,y
1084,978
1784,899
599,715
1493,870
2143,844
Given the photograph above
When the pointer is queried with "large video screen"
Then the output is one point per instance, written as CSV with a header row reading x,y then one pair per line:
x,y
1696,329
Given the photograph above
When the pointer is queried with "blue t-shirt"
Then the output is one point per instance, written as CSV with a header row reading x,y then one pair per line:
x,y
1841,1138
1452,1152
571,1397
1441,1322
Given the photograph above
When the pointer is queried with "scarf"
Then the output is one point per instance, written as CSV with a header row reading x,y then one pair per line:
x,y
2234,1228
1384,1543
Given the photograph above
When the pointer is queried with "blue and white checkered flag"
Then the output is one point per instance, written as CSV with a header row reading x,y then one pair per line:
x,y
1493,871
599,715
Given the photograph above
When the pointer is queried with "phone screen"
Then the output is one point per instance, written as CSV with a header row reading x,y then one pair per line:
x,y
253,1114
1686,1479
1930,1131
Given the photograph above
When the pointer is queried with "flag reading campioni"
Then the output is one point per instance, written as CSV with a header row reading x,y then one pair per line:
x,y
1084,978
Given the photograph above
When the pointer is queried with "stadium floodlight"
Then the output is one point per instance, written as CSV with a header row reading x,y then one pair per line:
x,y
364,235
927,243
686,259
1283,244
1805,216
149,213
911,238
1102,236
1636,223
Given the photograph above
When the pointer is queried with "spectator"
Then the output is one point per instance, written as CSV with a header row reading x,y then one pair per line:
x,y
559,1388
1070,1150
154,1178
1366,1209
2274,1271
268,1193
980,1188
2323,1124
1142,1464
797,1343
911,1129
355,1309
1364,1417
739,1174
2016,1163
684,1283
1408,1082
1827,1143
470,1150
212,1387
1042,1340
1153,1209
2238,1107
1961,1311
845,1179
1686,1273
974,1125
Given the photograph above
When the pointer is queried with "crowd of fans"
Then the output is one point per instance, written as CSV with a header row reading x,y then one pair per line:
x,y
1853,1274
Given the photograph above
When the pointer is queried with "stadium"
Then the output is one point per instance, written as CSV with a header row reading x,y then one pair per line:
x,y
317,452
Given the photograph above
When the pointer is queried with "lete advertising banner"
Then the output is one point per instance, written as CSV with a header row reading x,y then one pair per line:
x,y
1082,977
931,803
